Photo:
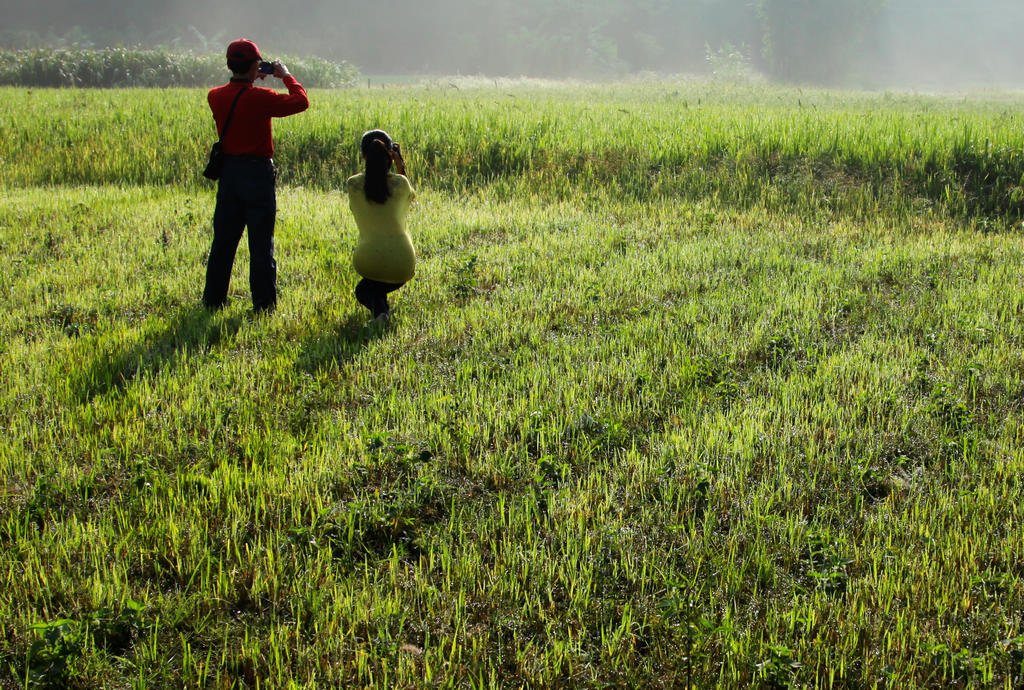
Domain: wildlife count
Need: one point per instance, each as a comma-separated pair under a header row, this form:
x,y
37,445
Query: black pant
x,y
373,295
246,198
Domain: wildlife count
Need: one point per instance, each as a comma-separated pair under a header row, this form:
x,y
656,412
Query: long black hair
x,y
376,146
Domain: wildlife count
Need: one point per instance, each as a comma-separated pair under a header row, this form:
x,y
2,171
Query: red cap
x,y
243,49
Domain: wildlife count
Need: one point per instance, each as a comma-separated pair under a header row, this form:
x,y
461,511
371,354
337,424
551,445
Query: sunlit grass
x,y
609,439
752,146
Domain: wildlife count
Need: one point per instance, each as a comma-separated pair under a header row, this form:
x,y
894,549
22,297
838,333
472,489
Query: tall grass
x,y
612,438
746,146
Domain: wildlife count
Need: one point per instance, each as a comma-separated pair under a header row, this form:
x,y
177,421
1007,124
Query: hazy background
x,y
927,44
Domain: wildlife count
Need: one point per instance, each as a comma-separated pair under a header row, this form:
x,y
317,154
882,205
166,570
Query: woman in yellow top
x,y
380,201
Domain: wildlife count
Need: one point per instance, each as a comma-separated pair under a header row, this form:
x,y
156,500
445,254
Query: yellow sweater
x,y
384,251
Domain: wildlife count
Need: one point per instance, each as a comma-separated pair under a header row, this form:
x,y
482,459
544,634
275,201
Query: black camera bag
x,y
216,163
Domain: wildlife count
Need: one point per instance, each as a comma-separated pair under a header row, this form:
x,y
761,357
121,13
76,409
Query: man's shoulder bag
x,y
216,163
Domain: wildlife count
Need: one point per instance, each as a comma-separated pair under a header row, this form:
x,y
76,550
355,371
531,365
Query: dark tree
x,y
816,41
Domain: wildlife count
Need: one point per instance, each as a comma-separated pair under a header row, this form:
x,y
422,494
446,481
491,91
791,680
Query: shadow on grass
x,y
340,344
193,329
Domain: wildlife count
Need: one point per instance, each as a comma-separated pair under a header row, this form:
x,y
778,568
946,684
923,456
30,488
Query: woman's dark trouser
x,y
246,198
373,294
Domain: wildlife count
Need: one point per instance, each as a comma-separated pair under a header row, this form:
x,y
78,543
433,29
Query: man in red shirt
x,y
246,195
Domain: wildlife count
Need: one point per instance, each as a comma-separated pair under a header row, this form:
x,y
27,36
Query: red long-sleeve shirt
x,y
250,132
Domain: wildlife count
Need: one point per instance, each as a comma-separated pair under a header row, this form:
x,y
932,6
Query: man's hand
x,y
280,71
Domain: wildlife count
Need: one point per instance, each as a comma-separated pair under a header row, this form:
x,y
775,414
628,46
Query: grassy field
x,y
750,147
695,386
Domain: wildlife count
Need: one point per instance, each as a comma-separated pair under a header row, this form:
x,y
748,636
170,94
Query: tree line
x,y
800,41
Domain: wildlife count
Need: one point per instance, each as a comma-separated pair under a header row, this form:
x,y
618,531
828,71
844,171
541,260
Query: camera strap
x,y
227,123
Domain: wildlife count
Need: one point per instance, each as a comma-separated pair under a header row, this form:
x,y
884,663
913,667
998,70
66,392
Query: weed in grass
x,y
826,565
466,279
779,669
51,657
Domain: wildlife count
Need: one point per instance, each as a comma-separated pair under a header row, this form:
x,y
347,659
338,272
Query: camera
x,y
266,67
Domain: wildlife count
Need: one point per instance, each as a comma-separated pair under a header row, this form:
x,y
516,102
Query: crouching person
x,y
380,200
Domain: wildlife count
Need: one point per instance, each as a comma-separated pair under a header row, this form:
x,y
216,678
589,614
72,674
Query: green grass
x,y
742,146
610,439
